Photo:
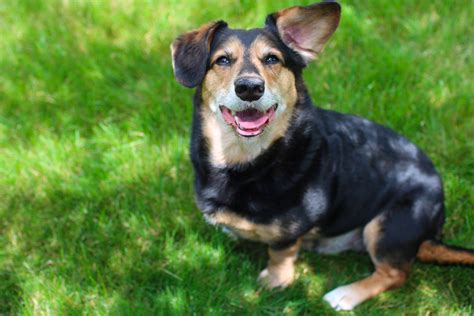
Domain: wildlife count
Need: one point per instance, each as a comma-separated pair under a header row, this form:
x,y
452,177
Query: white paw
x,y
272,280
343,298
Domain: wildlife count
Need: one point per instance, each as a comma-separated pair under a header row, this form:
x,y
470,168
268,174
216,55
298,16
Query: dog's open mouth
x,y
250,122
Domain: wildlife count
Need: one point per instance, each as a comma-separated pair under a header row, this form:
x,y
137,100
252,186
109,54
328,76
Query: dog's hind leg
x,y
384,278
392,240
391,255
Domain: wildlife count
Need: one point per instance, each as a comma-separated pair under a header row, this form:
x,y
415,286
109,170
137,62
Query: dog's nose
x,y
249,88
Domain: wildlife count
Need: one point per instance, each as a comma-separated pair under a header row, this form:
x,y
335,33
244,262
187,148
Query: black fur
x,y
354,163
315,155
191,52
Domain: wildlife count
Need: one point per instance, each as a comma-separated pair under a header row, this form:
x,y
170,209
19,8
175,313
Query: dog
x,y
271,167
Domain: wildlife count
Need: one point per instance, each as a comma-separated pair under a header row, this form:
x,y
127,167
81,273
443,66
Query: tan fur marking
x,y
280,269
432,252
262,47
246,229
372,234
233,48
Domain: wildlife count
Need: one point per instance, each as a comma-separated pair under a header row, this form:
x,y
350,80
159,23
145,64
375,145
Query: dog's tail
x,y
437,252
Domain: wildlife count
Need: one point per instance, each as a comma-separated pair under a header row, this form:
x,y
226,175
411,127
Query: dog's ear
x,y
190,52
306,29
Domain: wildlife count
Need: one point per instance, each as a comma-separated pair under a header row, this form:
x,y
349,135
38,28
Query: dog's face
x,y
250,81
247,77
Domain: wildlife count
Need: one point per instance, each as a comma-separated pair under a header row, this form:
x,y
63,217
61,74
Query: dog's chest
x,y
245,228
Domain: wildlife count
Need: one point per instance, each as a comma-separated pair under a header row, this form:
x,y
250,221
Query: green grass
x,y
96,199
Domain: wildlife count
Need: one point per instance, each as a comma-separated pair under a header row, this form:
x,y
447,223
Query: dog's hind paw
x,y
343,298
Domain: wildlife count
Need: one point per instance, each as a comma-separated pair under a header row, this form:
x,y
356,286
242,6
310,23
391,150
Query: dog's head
x,y
247,77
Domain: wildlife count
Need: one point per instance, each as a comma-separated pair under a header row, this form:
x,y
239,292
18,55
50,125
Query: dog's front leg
x,y
280,270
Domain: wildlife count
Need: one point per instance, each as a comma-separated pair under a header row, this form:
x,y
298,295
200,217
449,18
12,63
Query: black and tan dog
x,y
271,167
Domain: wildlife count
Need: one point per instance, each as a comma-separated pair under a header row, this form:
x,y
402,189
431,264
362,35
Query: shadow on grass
x,y
157,254
10,291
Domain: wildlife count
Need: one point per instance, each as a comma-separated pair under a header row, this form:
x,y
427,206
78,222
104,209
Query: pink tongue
x,y
251,119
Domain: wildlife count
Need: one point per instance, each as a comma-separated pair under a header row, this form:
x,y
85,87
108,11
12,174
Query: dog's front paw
x,y
273,278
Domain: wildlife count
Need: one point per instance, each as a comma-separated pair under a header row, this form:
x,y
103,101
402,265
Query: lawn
x,y
97,213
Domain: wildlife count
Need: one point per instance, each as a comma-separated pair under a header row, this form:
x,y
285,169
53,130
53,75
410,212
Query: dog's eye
x,y
271,60
223,61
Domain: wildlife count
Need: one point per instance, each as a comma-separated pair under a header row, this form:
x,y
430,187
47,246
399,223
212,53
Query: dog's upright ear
x,y
190,52
306,29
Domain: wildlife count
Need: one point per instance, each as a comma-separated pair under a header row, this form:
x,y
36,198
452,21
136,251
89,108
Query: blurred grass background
x,y
96,200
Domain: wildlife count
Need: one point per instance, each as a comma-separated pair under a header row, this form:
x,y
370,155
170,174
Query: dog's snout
x,y
249,88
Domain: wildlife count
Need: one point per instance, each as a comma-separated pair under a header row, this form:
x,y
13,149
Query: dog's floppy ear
x,y
190,52
306,29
